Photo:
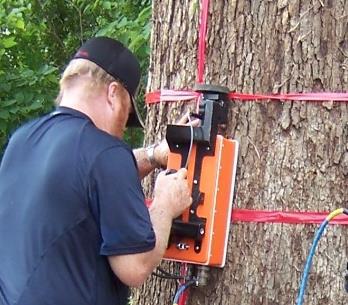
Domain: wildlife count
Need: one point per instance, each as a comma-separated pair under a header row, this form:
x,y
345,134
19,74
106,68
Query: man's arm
x,y
134,269
151,157
172,197
156,156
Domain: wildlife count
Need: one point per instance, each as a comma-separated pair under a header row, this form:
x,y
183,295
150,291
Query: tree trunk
x,y
293,155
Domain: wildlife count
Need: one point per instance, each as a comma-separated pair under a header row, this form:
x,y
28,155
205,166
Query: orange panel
x,y
216,182
224,199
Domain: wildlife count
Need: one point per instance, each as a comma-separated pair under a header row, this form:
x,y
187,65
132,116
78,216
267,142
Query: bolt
x,y
208,148
195,181
192,211
182,246
201,231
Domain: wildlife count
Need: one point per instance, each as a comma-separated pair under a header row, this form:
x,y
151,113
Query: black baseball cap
x,y
114,58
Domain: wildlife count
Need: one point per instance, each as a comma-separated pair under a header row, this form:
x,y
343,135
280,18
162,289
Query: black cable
x,y
346,280
160,269
167,275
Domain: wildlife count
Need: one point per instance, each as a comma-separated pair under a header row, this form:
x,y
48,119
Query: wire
x,y
181,289
160,269
167,275
312,251
191,141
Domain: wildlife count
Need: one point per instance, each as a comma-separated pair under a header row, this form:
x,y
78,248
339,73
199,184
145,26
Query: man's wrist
x,y
150,153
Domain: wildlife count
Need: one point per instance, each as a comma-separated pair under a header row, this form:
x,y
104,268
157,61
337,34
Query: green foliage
x,y
38,37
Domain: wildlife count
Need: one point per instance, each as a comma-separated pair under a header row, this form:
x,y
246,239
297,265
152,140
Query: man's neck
x,y
88,103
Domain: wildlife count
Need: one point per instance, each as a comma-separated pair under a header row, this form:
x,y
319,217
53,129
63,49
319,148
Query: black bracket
x,y
213,110
346,280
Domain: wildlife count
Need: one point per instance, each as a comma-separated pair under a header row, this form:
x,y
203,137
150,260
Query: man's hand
x,y
171,198
162,149
172,193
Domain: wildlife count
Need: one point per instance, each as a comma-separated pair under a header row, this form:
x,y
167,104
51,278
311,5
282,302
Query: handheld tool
x,y
200,234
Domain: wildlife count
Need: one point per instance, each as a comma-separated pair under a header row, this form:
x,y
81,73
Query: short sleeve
x,y
117,202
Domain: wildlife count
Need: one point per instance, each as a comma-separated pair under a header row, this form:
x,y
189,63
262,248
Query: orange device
x,y
200,234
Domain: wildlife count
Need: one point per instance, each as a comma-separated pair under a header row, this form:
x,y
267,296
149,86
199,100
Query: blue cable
x,y
181,289
309,262
308,265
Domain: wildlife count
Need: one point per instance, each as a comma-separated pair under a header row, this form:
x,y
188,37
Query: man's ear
x,y
113,93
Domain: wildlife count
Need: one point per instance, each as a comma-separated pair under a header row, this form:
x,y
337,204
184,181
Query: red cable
x,y
184,296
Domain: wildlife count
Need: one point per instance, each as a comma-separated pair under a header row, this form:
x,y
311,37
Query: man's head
x,y
105,64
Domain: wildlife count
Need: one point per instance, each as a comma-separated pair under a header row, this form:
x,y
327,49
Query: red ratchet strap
x,y
310,96
165,95
263,216
170,96
203,21
244,215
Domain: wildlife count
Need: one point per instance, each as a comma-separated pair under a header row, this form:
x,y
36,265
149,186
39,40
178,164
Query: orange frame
x,y
217,182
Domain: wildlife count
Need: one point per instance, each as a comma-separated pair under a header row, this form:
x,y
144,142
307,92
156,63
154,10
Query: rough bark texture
x,y
293,155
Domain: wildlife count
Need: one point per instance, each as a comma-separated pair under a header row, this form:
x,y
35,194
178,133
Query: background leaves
x,y
37,39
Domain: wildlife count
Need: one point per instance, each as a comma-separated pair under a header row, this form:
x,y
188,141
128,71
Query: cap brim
x,y
134,119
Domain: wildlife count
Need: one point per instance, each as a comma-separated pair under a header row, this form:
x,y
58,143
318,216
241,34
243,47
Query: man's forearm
x,y
151,157
171,198
161,222
133,269
145,166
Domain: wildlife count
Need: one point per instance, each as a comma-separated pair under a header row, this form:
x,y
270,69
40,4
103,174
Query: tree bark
x,y
293,155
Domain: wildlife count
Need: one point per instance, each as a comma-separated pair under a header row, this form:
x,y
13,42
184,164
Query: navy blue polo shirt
x,y
70,196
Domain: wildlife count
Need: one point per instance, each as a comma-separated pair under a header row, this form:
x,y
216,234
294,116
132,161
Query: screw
x,y
192,211
201,231
182,246
195,181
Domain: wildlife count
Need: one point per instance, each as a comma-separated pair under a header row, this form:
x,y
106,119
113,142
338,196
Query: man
x,y
74,229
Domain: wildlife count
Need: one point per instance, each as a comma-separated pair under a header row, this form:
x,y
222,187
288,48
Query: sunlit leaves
x,y
8,42
37,39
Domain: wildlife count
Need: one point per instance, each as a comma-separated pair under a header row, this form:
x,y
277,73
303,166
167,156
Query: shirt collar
x,y
71,111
